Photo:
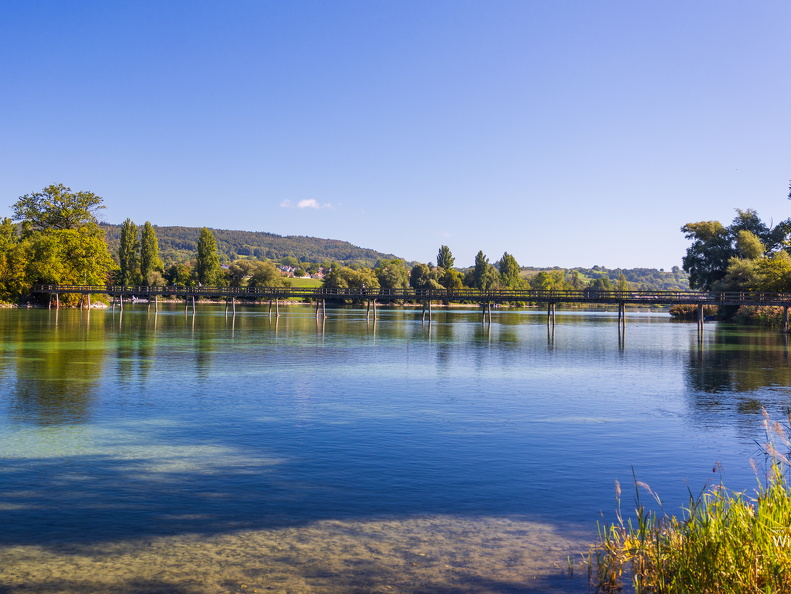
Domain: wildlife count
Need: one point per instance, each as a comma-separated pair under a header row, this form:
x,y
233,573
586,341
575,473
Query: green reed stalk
x,y
725,541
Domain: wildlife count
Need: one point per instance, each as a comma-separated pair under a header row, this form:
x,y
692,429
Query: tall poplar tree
x,y
207,265
129,274
149,252
445,258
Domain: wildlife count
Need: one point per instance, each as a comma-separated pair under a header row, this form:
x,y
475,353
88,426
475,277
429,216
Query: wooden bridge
x,y
427,296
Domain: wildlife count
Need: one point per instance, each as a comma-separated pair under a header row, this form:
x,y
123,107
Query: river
x,y
171,452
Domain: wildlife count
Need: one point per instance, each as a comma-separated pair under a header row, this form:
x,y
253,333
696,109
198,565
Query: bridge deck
x,y
422,295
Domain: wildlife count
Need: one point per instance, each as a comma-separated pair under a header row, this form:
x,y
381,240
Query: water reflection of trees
x,y
740,368
58,365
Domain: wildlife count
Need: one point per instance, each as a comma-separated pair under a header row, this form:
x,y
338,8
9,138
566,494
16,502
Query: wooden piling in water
x,y
785,319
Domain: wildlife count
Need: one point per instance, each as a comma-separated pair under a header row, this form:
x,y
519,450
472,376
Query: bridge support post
x,y
156,303
270,308
193,305
368,311
233,305
701,317
785,319
277,308
551,306
622,314
374,303
88,297
318,304
324,308
423,319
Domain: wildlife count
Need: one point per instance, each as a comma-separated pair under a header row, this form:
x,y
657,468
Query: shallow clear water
x,y
117,428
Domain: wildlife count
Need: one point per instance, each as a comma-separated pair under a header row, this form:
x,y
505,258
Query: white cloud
x,y
306,203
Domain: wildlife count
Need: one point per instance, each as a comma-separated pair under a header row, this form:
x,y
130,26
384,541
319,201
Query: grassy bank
x,y
725,542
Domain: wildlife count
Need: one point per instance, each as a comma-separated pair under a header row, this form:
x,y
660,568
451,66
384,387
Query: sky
x,y
564,132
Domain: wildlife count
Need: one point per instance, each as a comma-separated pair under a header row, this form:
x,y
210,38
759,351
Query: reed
x,y
724,542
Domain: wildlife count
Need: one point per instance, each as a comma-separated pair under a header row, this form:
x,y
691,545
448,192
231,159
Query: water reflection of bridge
x,y
486,299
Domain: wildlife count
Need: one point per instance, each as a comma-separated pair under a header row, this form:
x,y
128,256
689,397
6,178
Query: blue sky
x,y
566,132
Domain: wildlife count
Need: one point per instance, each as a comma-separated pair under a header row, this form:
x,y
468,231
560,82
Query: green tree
x,y
61,242
509,271
423,277
549,280
445,258
13,259
129,264
483,275
207,264
265,274
57,207
707,258
392,274
150,262
748,245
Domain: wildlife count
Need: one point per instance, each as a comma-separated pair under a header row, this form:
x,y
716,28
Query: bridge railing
x,y
456,295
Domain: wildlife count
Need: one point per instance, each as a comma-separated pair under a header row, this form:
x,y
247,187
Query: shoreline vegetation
x,y
725,542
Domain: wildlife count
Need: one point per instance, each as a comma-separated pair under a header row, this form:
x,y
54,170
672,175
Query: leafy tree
x,y
450,278
509,271
749,245
423,277
483,275
179,274
445,258
710,255
392,274
150,261
549,280
600,284
265,274
622,284
13,259
57,207
61,242
129,271
207,264
707,258
344,277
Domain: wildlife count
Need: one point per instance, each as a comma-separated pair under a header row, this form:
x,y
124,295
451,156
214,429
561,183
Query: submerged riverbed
x,y
212,453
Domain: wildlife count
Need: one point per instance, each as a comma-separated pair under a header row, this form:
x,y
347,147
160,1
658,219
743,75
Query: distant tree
x,y
57,207
207,264
483,275
509,271
549,280
129,271
344,277
445,258
392,274
265,274
150,261
423,277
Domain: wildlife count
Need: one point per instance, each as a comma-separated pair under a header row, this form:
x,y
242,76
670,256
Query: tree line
x,y
54,237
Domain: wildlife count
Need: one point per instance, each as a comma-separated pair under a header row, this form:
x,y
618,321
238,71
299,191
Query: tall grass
x,y
725,541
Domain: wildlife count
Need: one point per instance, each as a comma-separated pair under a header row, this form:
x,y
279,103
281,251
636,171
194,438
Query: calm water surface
x,y
120,429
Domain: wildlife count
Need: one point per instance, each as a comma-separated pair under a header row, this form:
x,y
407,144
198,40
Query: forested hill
x,y
178,244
